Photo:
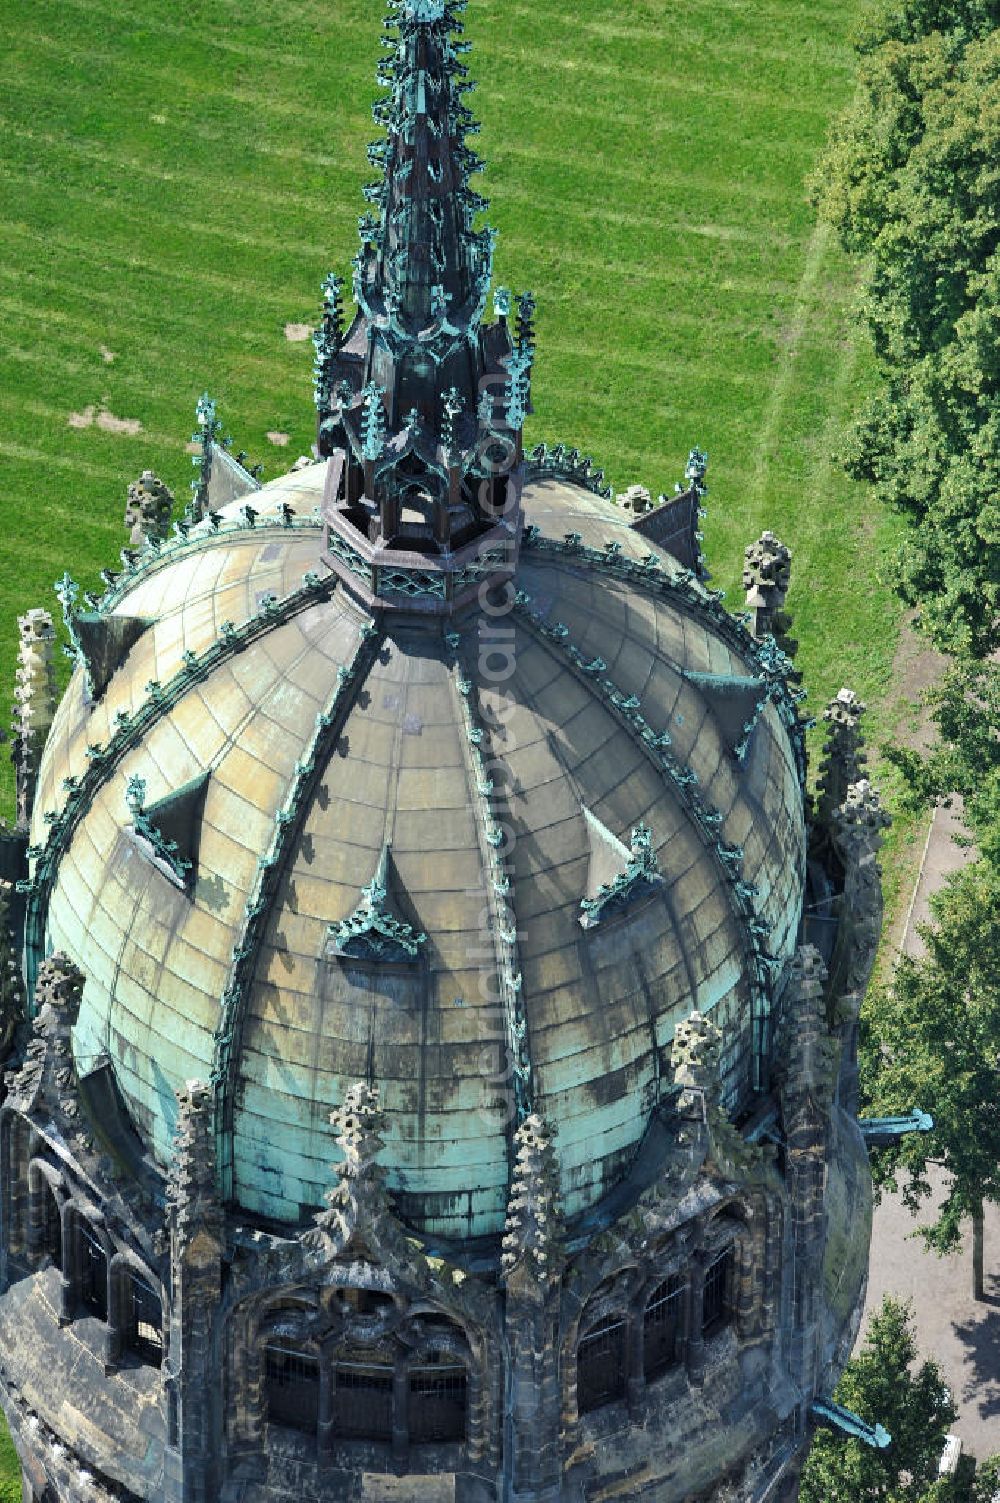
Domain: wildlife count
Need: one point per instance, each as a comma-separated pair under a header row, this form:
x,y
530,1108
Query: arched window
x,y
600,1364
291,1385
437,1384
363,1399
661,1326
92,1287
143,1319
438,1401
718,1299
406,1384
52,1228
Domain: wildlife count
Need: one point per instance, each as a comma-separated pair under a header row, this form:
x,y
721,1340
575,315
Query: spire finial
x,y
427,467
422,260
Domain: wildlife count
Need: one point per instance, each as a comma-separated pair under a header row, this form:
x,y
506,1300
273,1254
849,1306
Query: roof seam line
x,y
499,901
287,825
764,657
156,556
728,859
130,730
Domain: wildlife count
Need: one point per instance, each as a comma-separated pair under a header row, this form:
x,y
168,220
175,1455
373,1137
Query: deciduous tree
x,y
910,183
932,1039
882,1386
965,708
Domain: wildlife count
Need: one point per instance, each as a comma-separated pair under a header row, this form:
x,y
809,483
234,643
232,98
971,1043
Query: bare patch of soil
x,y
279,439
297,333
111,424
105,420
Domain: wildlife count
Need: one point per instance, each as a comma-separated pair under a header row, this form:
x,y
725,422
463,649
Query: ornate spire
x,y
423,271
426,403
844,756
13,1009
34,704
327,341
695,1058
359,1215
48,1072
857,828
704,1127
149,509
767,574
807,1055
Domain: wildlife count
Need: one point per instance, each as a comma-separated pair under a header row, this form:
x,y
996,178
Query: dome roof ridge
x,y
130,728
309,768
656,747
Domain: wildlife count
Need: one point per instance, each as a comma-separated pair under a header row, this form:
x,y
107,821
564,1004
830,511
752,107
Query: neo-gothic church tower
x,y
431,1000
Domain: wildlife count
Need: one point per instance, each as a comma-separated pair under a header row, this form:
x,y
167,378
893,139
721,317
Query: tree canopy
x,y
911,182
882,1385
932,1040
965,708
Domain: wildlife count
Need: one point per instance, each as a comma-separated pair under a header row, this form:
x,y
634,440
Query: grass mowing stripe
x,y
192,181
46,459
662,277
192,228
722,53
105,260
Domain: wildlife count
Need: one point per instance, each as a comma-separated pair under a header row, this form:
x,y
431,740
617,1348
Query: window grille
x,y
662,1327
600,1365
717,1301
93,1273
362,1404
291,1382
53,1228
144,1317
437,1403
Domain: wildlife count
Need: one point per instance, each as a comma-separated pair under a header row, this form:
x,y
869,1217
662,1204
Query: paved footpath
x,y
961,1334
